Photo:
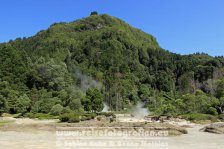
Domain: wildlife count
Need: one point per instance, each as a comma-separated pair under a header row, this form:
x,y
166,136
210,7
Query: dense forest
x,y
78,66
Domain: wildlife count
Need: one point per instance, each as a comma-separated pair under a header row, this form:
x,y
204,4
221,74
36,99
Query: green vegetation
x,y
221,117
94,13
22,104
199,117
93,101
76,117
107,114
56,109
3,104
75,67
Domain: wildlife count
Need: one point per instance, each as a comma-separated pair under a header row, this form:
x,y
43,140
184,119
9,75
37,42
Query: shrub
x,y
3,104
65,117
47,104
56,109
35,107
22,104
84,118
221,117
199,117
90,115
212,111
75,105
66,110
74,119
70,117
107,114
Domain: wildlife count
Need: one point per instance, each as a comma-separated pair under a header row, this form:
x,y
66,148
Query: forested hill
x,y
58,65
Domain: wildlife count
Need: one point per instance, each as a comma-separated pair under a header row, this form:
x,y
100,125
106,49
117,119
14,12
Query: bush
x,y
56,109
65,117
66,110
22,104
70,117
74,119
84,118
44,105
3,104
221,117
87,117
107,114
212,111
199,117
75,105
90,115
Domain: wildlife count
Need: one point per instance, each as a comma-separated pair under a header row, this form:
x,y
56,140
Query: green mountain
x,y
56,67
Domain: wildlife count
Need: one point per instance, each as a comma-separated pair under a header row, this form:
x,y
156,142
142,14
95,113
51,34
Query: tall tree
x,y
93,100
3,104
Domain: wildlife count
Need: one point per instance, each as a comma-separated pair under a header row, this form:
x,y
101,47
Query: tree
x,y
220,105
128,62
56,109
186,83
86,102
22,104
12,99
3,104
144,92
220,88
210,87
163,81
76,105
93,100
46,104
97,102
94,13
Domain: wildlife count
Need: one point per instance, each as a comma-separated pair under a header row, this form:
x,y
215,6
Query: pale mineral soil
x,y
196,139
35,134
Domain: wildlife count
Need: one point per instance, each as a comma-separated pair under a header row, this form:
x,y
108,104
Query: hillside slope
x,y
102,52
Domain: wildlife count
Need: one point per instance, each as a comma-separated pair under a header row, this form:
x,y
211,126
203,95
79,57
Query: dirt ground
x,y
196,139
35,134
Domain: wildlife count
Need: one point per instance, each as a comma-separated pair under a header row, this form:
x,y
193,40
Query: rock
x,y
217,128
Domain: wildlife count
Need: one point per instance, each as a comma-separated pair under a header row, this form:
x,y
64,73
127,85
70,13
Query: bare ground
x,y
36,134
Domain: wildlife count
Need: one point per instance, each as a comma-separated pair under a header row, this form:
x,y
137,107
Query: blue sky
x,y
180,26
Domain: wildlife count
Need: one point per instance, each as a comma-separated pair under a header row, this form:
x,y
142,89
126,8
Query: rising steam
x,y
105,108
140,111
85,82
